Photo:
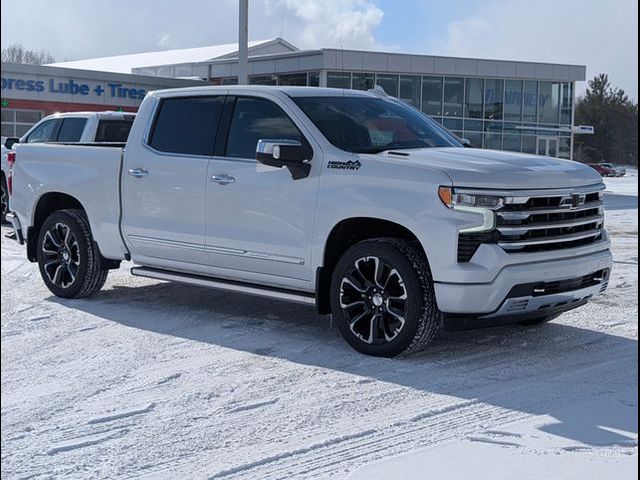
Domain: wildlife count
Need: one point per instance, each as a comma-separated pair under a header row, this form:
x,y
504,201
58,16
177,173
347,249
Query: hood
x,y
471,167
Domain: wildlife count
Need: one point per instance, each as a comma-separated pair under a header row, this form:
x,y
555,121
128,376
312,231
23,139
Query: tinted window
x,y
113,130
371,125
187,125
46,132
71,129
254,119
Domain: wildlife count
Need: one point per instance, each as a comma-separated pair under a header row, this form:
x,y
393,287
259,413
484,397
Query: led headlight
x,y
473,203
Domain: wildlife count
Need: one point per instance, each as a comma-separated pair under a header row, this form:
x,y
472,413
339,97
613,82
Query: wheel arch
x,y
344,235
47,204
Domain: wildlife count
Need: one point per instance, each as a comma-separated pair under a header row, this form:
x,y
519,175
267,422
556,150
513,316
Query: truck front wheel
x,y
69,260
382,298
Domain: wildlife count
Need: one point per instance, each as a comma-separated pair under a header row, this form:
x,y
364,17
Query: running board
x,y
227,285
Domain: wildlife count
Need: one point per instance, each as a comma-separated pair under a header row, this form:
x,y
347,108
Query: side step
x,y
228,285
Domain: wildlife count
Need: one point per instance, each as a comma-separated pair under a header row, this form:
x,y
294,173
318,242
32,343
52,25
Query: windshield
x,y
372,125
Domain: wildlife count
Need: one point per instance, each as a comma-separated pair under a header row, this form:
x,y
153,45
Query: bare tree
x,y
16,53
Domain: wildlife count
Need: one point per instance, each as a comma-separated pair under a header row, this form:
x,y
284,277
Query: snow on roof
x,y
124,63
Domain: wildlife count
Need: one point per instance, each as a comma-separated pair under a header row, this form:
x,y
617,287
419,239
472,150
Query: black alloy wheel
x,y
382,298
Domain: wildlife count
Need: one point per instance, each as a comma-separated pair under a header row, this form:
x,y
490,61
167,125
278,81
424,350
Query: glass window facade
x,y
410,89
339,79
432,95
493,98
363,81
548,102
389,83
530,101
473,95
513,100
453,96
16,123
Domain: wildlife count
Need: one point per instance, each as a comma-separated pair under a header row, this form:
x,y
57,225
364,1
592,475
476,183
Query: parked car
x,y
68,127
618,171
350,201
603,170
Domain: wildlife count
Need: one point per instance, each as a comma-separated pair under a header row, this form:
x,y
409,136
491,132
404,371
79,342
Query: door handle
x,y
222,179
138,172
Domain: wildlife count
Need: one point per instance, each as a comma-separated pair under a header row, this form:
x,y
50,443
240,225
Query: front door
x,y
259,220
547,146
164,184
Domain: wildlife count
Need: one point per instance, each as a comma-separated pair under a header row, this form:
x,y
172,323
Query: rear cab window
x,y
112,130
71,129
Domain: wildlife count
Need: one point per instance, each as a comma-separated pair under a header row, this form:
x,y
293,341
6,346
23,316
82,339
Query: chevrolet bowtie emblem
x,y
577,199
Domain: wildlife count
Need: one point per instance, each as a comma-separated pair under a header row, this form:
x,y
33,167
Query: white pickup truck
x,y
350,201
78,127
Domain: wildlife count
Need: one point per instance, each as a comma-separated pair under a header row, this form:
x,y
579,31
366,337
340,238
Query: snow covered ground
x,y
168,381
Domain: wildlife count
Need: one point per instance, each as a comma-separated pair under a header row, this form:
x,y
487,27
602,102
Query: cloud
x,y
328,23
602,36
165,41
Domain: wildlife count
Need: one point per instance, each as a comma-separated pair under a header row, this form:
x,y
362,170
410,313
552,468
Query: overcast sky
x,y
601,34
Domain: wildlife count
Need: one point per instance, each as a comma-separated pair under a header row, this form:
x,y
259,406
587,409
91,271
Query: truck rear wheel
x,y
69,260
382,298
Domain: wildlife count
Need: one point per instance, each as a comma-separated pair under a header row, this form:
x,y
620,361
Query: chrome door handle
x,y
222,179
138,172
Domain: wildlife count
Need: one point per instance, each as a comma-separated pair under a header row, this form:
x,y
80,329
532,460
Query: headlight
x,y
452,199
473,203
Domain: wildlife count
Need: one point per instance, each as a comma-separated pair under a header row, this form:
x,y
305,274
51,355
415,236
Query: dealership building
x,y
505,105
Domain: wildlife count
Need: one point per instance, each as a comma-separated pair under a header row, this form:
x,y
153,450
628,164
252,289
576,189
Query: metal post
x,y
243,40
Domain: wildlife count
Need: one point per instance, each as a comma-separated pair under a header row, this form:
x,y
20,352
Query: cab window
x,y
254,119
46,132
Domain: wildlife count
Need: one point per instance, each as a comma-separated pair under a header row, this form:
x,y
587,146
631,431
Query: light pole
x,y
243,40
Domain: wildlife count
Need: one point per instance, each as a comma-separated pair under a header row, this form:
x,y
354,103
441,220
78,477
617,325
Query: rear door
x,y
164,184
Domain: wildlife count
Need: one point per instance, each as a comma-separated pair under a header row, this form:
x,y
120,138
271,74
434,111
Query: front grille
x,y
550,221
537,222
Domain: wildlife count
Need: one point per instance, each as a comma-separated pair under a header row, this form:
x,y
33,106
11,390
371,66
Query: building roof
x,y
124,63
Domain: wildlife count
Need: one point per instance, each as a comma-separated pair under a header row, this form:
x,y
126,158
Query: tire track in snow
x,y
431,427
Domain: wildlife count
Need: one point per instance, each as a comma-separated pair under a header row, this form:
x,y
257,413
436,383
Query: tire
x,y
69,260
538,321
392,312
5,199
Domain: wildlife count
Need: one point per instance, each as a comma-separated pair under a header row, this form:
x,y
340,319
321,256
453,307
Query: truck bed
x,y
89,173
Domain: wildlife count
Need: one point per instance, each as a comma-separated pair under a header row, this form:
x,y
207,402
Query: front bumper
x,y
17,228
484,301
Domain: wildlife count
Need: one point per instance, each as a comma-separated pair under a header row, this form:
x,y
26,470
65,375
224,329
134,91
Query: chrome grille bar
x,y
518,244
524,214
522,229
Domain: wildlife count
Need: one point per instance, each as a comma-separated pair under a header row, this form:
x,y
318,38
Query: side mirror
x,y
283,153
466,143
10,142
